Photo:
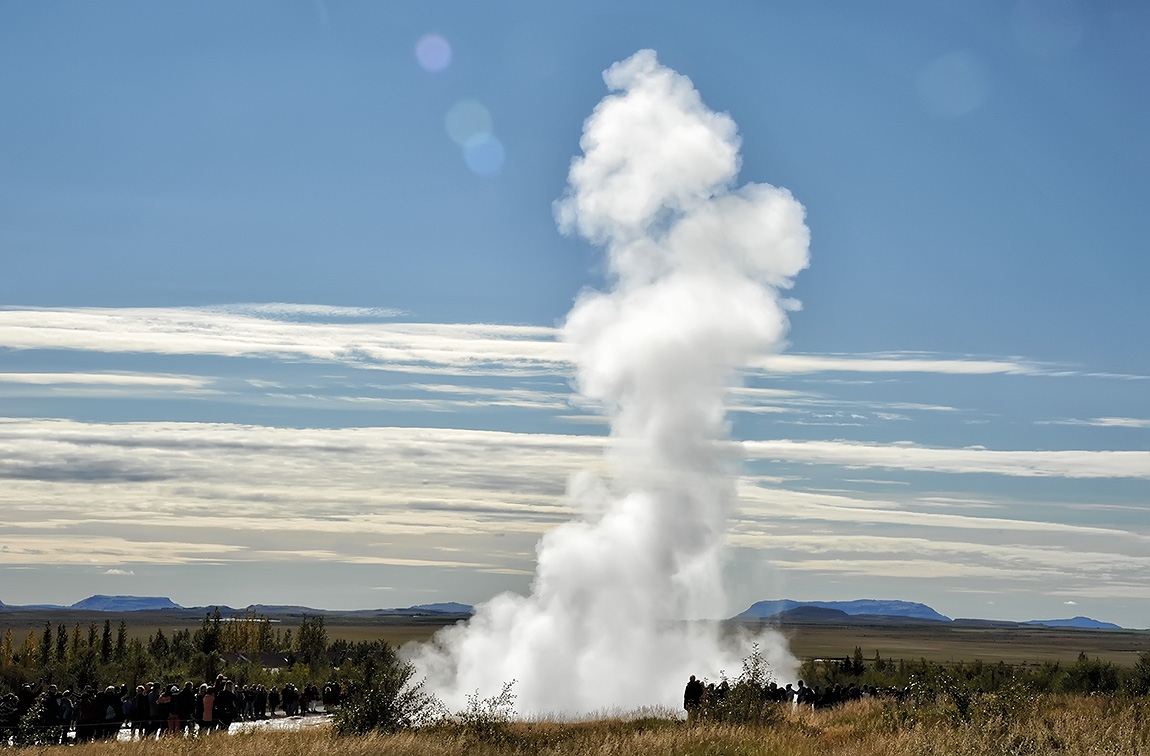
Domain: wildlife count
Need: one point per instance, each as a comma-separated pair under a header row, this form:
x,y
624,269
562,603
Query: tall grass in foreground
x,y
1046,725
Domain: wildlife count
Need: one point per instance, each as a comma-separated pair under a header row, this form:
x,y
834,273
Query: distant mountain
x,y
810,614
124,604
448,607
874,607
275,609
867,611
1082,622
444,608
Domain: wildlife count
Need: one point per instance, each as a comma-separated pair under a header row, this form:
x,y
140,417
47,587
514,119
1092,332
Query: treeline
x,y
1086,675
237,647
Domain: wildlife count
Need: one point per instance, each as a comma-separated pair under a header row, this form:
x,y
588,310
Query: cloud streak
x,y
262,331
122,495
1062,464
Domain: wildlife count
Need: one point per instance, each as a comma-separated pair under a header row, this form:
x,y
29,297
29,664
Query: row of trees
x,y
1085,675
77,656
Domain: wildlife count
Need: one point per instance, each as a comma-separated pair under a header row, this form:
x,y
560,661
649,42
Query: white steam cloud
x,y
696,265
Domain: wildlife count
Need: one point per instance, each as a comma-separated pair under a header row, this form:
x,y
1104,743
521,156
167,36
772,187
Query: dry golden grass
x,y
1053,725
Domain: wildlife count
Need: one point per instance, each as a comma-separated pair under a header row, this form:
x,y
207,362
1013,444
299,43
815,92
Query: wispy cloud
x,y
1121,422
426,347
65,479
896,363
301,332
115,496
1064,464
287,311
107,379
1103,422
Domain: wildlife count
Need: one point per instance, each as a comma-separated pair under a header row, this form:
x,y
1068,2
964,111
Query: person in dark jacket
x,y
138,712
693,699
153,709
224,710
186,707
273,700
86,719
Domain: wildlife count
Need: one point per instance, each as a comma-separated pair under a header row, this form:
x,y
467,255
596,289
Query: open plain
x,y
933,641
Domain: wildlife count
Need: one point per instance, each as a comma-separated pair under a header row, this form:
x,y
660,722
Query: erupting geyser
x,y
696,266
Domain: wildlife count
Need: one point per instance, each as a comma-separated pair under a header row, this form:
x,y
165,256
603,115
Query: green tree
x,y
46,646
159,647
137,665
28,651
7,652
106,643
121,642
182,646
82,667
858,664
208,639
61,643
74,649
311,641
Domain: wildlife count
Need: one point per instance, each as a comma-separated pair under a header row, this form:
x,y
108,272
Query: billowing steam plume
x,y
696,265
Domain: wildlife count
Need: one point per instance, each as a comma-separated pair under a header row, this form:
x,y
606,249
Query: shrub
x,y
39,726
488,719
748,699
1137,682
387,701
1091,676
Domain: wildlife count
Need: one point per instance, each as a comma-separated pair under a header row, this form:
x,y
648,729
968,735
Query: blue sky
x,y
960,417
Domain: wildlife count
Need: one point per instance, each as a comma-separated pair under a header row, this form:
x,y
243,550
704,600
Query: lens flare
x,y
484,155
954,84
467,120
433,53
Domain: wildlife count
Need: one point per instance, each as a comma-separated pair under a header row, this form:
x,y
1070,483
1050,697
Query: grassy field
x,y
950,643
934,642
1046,725
394,630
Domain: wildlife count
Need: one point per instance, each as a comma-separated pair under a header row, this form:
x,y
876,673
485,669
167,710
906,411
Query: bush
x,y
387,701
39,726
1137,681
748,699
1091,676
488,719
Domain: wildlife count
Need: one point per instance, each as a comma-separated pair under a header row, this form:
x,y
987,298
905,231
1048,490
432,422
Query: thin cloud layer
x,y
267,331
1059,464
128,495
220,332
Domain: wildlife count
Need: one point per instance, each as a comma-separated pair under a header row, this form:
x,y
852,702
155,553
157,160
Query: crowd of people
x,y
155,709
697,696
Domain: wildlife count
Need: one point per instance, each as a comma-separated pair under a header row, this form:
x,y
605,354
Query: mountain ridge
x,y
103,603
776,610
1086,623
872,607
